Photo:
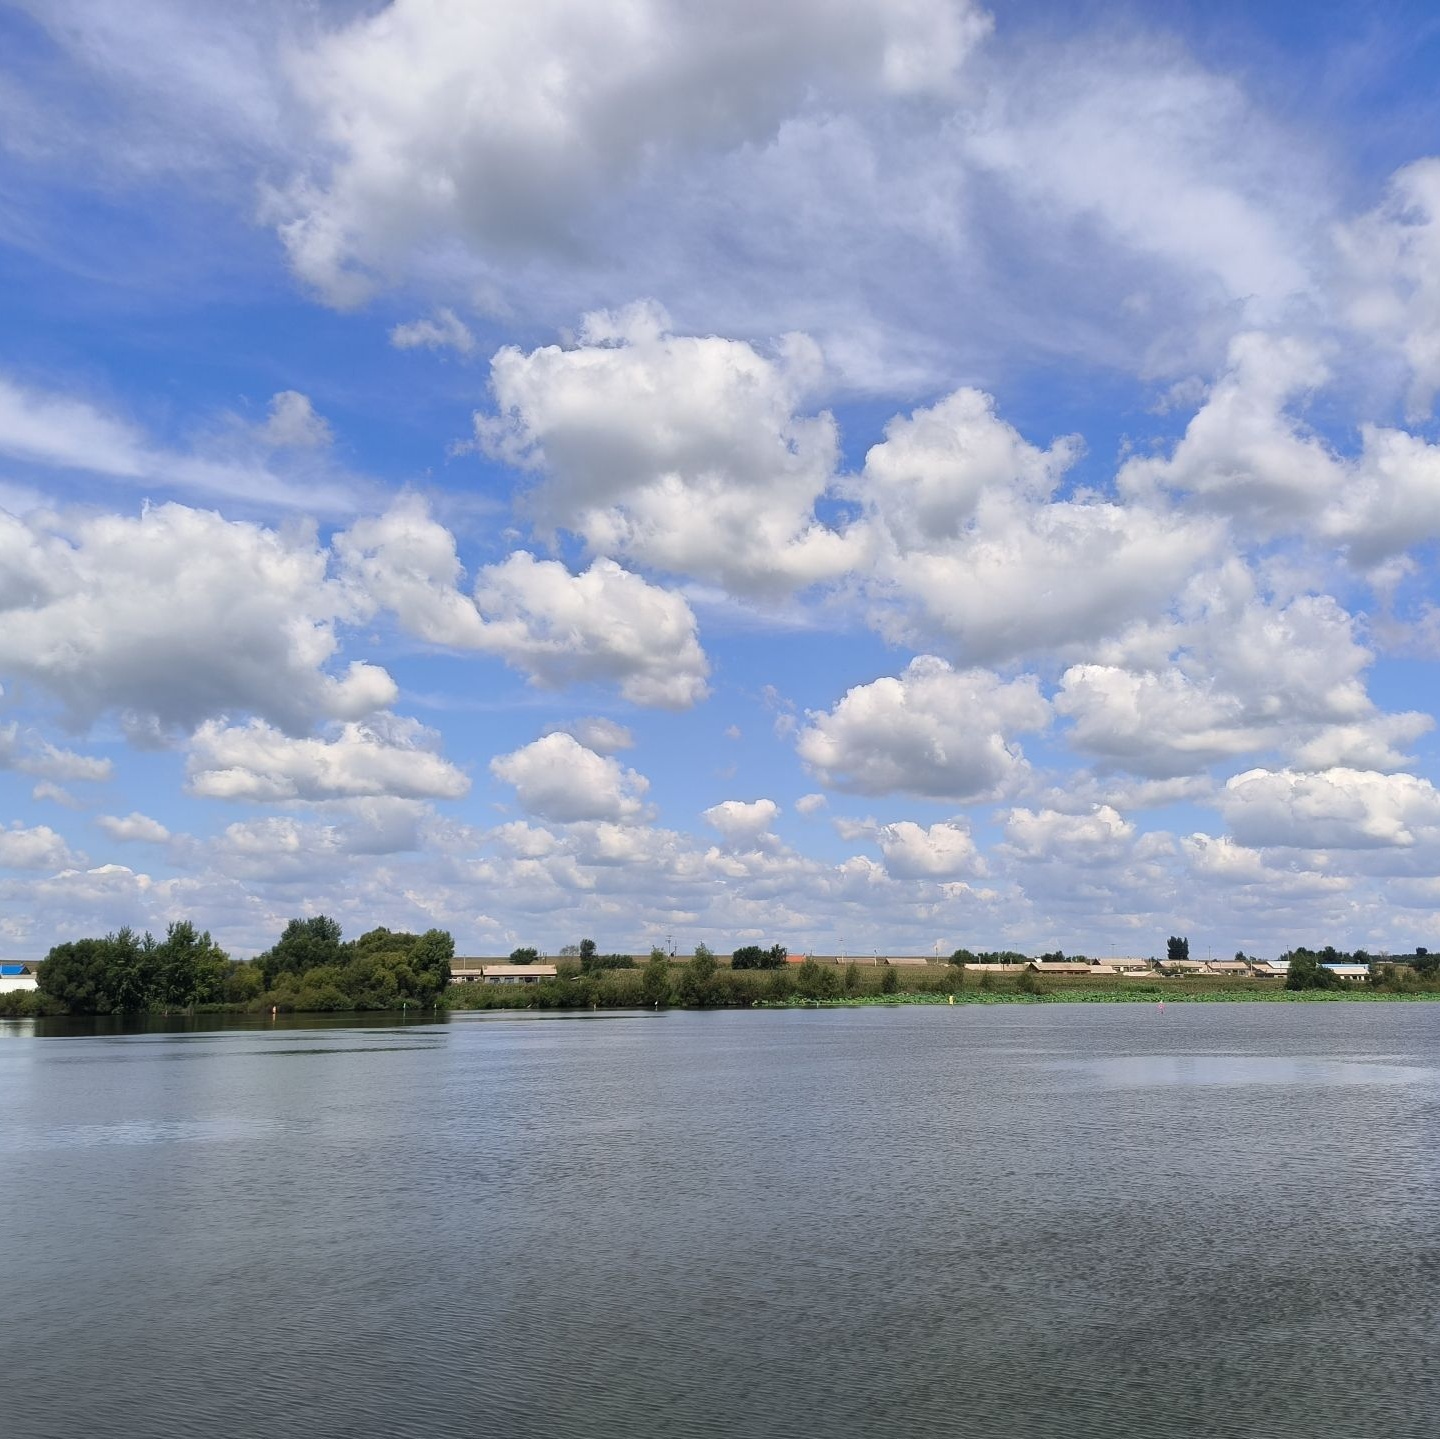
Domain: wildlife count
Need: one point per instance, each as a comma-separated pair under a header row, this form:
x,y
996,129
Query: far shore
x,y
724,988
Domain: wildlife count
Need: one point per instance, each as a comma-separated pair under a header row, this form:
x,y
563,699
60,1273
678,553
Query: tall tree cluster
x,y
309,967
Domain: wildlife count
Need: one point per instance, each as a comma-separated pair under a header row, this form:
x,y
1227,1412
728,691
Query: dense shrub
x,y
1307,972
751,956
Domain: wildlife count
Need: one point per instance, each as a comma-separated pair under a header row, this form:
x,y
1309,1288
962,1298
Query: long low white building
x,y
472,972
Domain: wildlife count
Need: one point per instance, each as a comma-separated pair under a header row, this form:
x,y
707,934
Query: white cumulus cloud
x,y
932,731
385,755
558,628
175,616
1332,809
937,851
557,778
37,847
689,454
741,821
134,826
437,121
1098,838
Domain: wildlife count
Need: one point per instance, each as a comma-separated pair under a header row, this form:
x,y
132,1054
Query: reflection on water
x,y
1300,1071
1053,1221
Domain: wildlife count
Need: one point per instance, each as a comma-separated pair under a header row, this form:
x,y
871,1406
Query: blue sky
x,y
872,475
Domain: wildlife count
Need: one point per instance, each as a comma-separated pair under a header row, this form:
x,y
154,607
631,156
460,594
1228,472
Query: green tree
x,y
74,974
697,984
525,955
592,961
1177,949
305,944
430,960
780,985
655,979
114,975
243,984
1027,982
1307,972
752,956
852,978
187,968
816,981
890,982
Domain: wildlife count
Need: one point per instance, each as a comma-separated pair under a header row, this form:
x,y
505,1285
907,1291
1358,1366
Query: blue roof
x,y
12,969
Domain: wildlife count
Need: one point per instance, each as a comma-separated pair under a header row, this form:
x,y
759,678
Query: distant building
x,y
17,977
903,959
1358,972
518,973
1056,966
473,971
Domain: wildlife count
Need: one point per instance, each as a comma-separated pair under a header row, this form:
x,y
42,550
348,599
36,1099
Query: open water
x,y
1062,1221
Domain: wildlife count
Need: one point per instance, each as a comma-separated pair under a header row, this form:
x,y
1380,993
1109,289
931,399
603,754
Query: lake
x,y
1054,1220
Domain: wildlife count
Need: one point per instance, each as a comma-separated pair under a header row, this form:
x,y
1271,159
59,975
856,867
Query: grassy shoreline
x,y
1095,996
938,985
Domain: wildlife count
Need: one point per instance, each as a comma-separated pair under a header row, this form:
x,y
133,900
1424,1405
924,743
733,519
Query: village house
x,y
1357,973
479,971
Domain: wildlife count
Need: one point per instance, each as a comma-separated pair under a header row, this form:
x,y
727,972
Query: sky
x,y
880,476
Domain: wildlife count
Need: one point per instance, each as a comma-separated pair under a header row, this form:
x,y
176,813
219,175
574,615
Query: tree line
x,y
310,967
748,956
700,983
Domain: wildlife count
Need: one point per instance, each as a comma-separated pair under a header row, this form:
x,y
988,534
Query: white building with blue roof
x,y
17,976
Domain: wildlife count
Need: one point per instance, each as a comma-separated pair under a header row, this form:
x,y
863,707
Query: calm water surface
x,y
1063,1221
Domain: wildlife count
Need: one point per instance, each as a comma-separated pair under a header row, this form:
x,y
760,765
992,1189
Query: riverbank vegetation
x,y
311,968
706,984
